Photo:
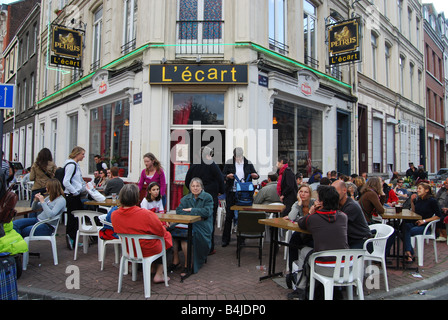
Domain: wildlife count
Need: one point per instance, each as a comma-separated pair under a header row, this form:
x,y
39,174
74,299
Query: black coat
x,y
210,175
229,167
288,189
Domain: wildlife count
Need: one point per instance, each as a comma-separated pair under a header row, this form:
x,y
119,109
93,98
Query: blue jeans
x,y
24,226
411,230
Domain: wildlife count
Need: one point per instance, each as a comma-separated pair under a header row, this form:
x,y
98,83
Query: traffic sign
x,y
7,96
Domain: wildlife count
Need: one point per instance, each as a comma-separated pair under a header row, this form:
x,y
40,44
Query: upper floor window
x,y
374,42
277,26
97,31
130,23
200,23
309,26
387,66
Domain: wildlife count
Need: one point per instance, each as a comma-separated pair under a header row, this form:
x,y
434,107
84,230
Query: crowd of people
x,y
349,204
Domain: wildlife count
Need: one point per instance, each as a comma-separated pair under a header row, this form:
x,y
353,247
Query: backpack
x,y
60,174
8,203
244,194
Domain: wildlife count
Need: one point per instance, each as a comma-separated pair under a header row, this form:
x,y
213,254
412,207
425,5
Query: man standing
x,y
100,165
241,167
208,171
358,230
286,185
412,171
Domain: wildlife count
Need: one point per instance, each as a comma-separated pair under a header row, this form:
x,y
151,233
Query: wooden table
x,y
260,208
106,203
398,226
275,224
23,211
185,219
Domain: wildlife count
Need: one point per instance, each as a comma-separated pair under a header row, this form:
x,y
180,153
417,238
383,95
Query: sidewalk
x,y
219,279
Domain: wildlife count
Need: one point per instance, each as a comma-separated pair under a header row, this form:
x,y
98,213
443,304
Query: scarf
x,y
279,180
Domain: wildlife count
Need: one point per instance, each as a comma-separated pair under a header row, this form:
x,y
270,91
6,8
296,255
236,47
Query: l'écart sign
x,y
344,41
198,74
67,47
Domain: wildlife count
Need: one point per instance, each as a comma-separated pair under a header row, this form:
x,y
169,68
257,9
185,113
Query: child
x,y
153,199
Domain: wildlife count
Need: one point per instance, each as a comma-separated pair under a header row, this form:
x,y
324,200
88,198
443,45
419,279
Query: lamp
x,y
126,123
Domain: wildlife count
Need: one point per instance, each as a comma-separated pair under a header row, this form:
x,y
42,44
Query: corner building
x,y
168,77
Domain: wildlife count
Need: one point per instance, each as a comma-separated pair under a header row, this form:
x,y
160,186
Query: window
x,y
299,135
97,30
410,24
402,66
109,135
417,34
400,15
387,66
411,79
25,95
420,75
130,23
390,141
32,90
207,108
42,136
309,26
73,131
377,143
374,42
200,22
35,38
277,26
54,138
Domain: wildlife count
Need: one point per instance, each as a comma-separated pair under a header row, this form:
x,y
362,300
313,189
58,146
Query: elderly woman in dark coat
x,y
197,203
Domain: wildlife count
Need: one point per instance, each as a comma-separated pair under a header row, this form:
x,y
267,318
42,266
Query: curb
x,y
406,290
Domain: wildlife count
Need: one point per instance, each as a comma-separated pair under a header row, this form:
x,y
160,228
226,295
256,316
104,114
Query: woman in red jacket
x,y
131,219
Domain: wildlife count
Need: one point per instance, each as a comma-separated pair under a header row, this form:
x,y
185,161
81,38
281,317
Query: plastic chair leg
x,y
55,252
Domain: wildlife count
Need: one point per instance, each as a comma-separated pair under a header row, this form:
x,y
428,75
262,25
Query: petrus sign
x,y
7,92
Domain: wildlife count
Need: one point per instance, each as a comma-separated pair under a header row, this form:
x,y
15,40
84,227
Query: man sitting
x,y
115,184
268,194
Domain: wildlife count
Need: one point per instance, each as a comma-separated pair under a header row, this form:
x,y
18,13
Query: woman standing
x,y
41,172
74,185
196,203
152,173
372,200
424,204
49,208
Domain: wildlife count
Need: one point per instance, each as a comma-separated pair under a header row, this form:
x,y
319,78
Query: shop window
x,y
299,136
109,136
206,108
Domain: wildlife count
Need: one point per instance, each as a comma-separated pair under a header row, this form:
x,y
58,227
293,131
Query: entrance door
x,y
186,146
344,151
363,139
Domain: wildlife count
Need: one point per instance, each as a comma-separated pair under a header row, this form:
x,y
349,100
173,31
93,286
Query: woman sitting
x,y
298,240
196,203
101,185
50,207
424,204
372,200
131,219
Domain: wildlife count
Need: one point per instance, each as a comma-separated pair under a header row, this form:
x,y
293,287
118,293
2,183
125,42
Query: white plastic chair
x,y
220,213
132,251
431,226
383,232
103,243
52,238
87,228
347,272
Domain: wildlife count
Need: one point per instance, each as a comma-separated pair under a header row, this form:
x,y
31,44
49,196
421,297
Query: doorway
x,y
343,143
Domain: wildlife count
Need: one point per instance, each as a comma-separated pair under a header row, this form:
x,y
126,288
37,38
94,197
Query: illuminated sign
x,y
198,74
344,41
67,46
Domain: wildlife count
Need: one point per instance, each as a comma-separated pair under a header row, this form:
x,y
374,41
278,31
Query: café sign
x,y
198,74
67,47
344,41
